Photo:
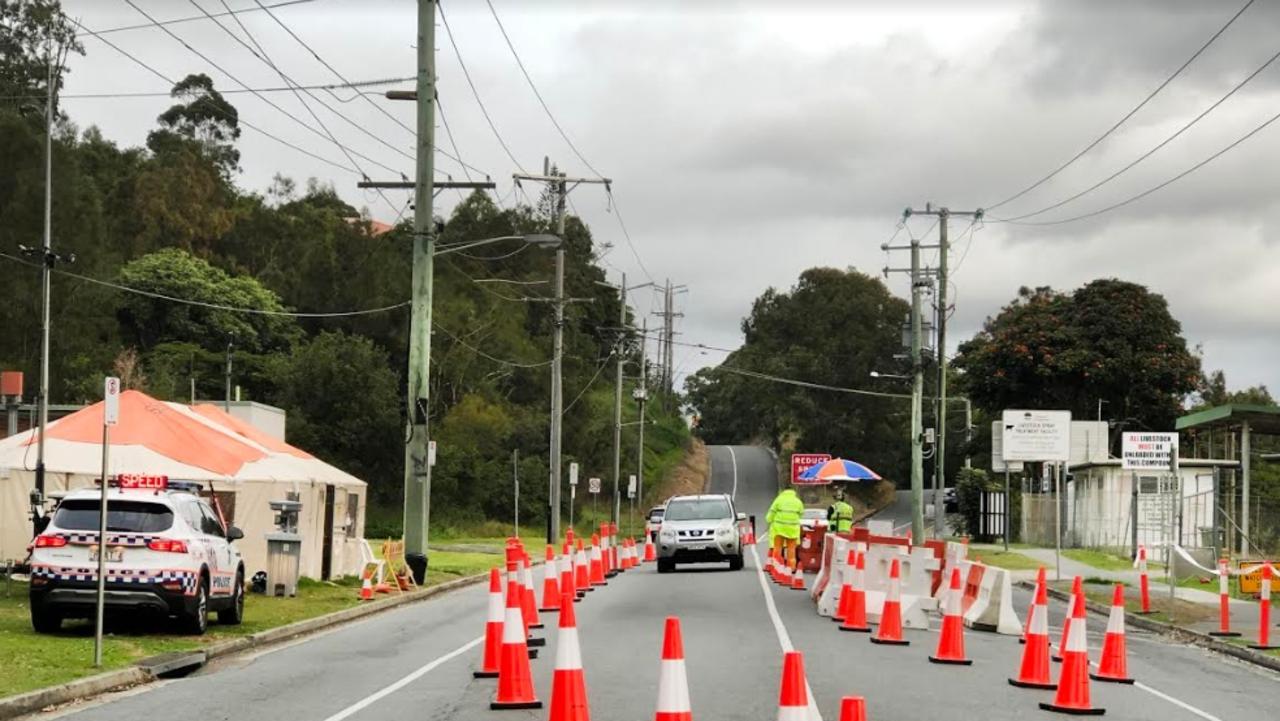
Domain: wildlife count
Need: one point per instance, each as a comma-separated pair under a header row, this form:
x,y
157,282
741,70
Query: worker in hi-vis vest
x,y
784,525
840,514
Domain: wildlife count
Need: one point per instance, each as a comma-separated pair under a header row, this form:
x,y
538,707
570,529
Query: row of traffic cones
x,y
783,574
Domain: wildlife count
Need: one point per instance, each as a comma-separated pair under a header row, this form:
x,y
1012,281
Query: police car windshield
x,y
81,514
698,510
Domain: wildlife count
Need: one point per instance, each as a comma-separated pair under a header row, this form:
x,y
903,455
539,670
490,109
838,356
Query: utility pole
x,y
917,391
561,185
617,401
226,402
47,260
943,310
641,394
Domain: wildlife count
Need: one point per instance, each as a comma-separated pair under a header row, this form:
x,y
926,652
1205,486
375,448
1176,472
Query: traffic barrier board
x,y
1251,582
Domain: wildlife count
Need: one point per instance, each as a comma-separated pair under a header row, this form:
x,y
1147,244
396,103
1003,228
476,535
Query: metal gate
x,y
992,514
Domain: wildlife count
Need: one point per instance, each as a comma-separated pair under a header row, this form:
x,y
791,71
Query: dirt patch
x,y
690,476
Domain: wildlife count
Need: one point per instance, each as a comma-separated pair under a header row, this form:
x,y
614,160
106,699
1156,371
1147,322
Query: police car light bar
x,y
142,481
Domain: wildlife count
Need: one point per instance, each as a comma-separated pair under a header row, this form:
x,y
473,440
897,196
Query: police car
x,y
167,550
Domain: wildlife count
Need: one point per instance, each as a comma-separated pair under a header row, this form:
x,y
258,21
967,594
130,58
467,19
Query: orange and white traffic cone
x,y
1034,671
1040,582
492,629
569,682
673,683
1073,686
1144,582
515,678
853,708
951,640
856,616
366,589
1113,665
1224,602
1077,591
793,696
846,588
581,571
797,579
890,629
650,553
597,563
566,569
631,561
530,599
1264,611
550,584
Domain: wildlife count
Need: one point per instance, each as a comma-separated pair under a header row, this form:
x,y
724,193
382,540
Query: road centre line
x,y
414,676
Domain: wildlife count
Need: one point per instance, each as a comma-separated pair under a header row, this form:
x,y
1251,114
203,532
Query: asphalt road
x,y
416,662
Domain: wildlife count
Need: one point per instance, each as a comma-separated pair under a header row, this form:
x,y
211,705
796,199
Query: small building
x,y
244,467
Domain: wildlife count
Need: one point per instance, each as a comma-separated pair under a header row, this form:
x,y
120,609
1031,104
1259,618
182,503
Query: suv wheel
x,y
43,620
197,620
666,565
735,562
234,614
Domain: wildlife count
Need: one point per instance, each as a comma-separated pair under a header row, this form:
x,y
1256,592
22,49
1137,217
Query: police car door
x,y
221,572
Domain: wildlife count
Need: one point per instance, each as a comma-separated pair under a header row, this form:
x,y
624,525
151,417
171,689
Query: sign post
x,y
1032,436
998,464
110,417
573,489
593,487
631,496
1158,452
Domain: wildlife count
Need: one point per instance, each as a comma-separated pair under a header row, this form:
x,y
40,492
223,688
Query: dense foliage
x,y
169,221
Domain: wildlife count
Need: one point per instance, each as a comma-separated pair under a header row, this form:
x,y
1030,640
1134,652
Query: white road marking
x,y
384,692
1181,704
784,638
733,462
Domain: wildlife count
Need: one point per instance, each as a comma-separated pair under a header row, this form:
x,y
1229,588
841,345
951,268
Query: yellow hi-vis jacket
x,y
841,516
784,515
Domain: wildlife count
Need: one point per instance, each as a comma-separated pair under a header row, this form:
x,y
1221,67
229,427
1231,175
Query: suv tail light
x,y
168,545
50,541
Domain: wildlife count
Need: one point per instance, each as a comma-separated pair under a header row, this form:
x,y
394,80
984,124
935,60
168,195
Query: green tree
x,y
1109,340
205,120
1212,391
32,33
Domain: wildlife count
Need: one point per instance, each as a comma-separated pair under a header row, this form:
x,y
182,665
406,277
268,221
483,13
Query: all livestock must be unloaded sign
x,y
1148,451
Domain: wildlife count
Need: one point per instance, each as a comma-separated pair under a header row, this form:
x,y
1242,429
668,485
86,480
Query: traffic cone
x,y
890,629
630,561
581,572
846,590
1034,672
550,585
793,697
951,640
569,683
597,563
673,684
650,553
856,617
566,569
610,551
366,589
1073,685
797,579
515,678
1040,581
853,708
1077,591
529,599
1113,666
1144,582
1224,603
492,628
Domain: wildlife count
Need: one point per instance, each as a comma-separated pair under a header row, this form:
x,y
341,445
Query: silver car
x,y
699,529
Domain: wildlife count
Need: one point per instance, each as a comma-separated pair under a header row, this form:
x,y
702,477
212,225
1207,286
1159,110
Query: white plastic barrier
x,y
831,578
988,600
954,555
878,527
916,573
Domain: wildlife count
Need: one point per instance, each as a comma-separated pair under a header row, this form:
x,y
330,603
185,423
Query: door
x,y
326,554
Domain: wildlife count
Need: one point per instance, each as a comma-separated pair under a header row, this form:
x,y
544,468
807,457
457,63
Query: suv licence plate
x,y
115,554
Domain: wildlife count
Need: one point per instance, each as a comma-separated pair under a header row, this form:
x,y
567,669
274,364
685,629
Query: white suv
x,y
167,553
700,529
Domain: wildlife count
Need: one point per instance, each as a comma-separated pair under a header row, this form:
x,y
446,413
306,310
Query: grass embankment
x,y
30,661
1008,560
1105,561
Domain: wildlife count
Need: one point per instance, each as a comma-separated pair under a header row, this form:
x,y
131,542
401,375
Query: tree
x,y
1109,340
1212,391
29,31
344,407
206,120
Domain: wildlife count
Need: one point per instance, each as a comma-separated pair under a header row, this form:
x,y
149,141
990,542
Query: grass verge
x,y
1009,560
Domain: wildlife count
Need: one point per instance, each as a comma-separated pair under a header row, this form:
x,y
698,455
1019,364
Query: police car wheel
x,y
234,614
197,621
43,620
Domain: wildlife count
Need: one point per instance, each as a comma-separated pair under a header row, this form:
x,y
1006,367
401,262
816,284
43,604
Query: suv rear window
x,y
698,510
82,514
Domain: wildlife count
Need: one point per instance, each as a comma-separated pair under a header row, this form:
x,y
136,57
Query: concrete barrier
x,y
954,555
987,601
826,588
916,566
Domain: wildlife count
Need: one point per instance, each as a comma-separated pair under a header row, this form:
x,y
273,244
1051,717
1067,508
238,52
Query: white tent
x,y
246,467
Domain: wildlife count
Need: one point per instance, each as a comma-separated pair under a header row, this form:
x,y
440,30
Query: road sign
x,y
631,487
1036,435
801,462
431,453
593,485
111,394
1251,582
998,463
573,474
1148,451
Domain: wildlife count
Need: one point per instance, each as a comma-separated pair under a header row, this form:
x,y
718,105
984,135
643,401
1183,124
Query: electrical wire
x,y
626,235
228,91
974,227
590,383
1128,115
807,384
482,354
1152,151
142,26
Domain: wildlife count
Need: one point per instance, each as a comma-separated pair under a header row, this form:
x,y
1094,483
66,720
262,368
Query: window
x,y
209,521
122,516
353,515
703,509
190,512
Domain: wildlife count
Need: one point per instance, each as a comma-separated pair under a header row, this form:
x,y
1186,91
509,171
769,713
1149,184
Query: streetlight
x,y
878,374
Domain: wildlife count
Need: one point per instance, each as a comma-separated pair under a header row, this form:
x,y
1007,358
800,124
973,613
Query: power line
x,y
1152,151
590,383
626,235
476,93
215,108
229,91
806,384
482,354
1128,115
142,26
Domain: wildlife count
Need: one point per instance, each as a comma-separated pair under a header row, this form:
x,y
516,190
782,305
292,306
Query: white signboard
x,y
111,395
573,474
1148,451
431,453
593,485
1036,436
998,463
631,487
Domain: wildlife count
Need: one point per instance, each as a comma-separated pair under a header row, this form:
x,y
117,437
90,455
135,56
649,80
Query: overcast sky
x,y
749,141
